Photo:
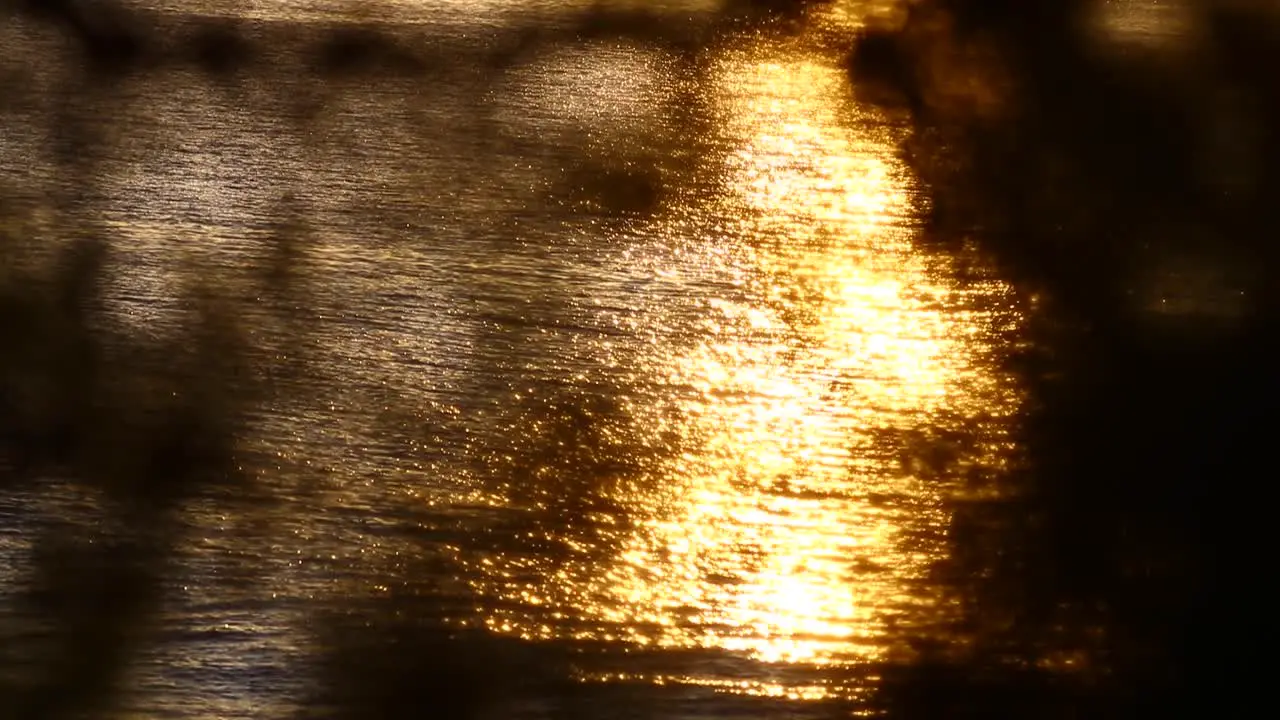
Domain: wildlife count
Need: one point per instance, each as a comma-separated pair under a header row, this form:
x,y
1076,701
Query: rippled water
x,y
623,345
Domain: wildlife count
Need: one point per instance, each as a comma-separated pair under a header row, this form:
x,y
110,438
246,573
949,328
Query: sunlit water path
x,y
617,348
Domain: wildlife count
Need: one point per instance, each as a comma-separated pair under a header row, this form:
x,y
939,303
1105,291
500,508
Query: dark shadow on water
x,y
1121,570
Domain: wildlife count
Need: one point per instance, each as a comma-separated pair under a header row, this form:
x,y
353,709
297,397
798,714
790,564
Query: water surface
x,y
623,349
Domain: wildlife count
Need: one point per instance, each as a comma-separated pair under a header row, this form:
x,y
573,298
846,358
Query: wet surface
x,y
617,349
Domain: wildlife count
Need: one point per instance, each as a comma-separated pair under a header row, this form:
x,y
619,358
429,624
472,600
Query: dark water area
x,y
476,359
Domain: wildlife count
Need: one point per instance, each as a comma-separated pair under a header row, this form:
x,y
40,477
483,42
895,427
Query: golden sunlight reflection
x,y
786,529
838,336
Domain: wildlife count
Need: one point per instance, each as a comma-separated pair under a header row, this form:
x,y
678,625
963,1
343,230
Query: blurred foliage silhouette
x,y
1128,195
1118,576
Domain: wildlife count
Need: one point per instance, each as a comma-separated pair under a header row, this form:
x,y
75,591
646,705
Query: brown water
x,y
684,416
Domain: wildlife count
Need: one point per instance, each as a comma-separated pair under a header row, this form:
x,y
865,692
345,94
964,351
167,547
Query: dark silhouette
x,y
220,48
363,50
1112,578
106,32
